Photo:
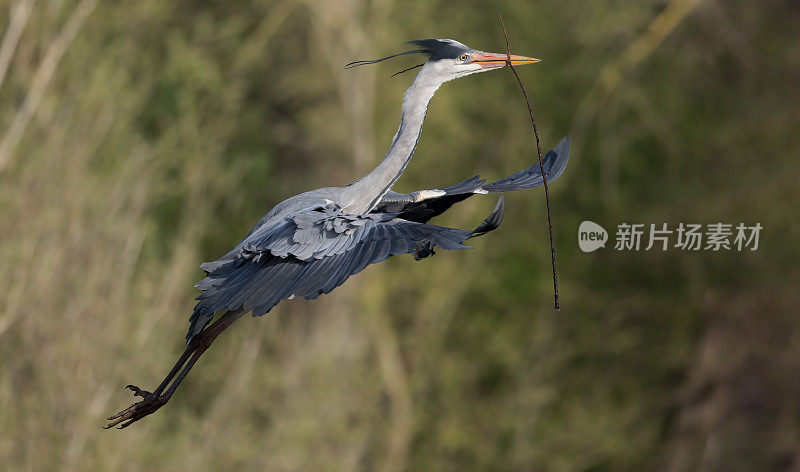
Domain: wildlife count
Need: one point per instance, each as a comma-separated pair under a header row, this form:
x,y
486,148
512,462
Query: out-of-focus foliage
x,y
138,139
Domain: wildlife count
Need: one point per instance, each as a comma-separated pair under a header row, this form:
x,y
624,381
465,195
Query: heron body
x,y
309,244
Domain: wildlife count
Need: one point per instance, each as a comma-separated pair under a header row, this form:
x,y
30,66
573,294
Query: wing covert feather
x,y
256,278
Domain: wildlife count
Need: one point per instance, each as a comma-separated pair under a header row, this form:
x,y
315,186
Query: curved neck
x,y
367,191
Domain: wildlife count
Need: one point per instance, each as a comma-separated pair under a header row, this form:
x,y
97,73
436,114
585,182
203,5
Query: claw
x,y
125,425
148,405
137,392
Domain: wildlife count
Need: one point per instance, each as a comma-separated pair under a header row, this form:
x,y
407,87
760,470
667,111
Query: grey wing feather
x,y
258,279
554,164
467,186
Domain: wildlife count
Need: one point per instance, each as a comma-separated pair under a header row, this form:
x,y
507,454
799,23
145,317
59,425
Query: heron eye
x,y
463,58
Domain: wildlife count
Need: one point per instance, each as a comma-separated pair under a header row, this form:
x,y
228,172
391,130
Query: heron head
x,y
448,59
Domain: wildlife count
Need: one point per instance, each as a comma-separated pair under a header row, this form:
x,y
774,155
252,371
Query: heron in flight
x,y
311,243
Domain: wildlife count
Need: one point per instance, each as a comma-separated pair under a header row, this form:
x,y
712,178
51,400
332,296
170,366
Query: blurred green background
x,y
139,139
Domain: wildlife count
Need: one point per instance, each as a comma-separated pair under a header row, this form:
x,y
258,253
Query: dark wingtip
x,y
492,222
562,158
554,163
563,146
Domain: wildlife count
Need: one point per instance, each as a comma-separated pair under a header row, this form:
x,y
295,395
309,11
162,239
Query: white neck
x,y
361,196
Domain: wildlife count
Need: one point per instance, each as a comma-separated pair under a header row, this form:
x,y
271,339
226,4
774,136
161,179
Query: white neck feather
x,y
362,195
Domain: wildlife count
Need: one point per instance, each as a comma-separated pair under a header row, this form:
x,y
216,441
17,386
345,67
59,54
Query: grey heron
x,y
309,244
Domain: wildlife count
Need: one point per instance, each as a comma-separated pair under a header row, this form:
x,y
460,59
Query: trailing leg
x,y
152,401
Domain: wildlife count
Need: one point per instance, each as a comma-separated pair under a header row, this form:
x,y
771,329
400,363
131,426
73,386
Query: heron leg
x,y
139,392
152,401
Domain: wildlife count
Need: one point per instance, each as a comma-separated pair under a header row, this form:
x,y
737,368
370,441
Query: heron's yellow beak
x,y
491,60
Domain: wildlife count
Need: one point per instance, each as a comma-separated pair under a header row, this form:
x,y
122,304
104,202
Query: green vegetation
x,y
139,139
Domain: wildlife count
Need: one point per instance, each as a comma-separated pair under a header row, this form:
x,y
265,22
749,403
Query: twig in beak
x,y
541,167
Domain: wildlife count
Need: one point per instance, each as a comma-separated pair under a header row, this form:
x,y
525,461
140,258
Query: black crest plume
x,y
440,48
350,65
435,48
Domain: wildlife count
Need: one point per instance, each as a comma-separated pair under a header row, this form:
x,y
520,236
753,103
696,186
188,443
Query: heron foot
x,y
149,404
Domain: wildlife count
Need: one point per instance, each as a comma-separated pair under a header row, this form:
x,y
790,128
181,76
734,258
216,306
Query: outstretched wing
x,y
554,163
312,252
423,210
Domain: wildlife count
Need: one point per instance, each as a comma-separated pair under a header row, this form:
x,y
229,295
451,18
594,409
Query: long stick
x,y
541,168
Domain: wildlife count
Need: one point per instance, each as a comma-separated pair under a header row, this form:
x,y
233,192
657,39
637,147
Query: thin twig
x,y
541,167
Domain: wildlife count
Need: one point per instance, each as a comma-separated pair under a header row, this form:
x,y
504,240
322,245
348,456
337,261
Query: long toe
x,y
148,405
135,412
126,410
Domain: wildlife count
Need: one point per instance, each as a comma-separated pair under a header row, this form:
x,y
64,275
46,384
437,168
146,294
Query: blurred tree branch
x,y
19,18
42,77
612,75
